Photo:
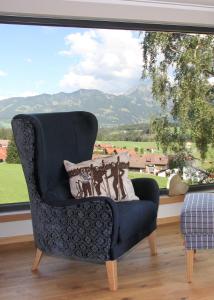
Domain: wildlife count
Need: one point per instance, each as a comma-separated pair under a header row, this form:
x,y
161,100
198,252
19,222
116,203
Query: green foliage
x,y
131,132
180,66
210,170
12,153
179,160
170,136
5,133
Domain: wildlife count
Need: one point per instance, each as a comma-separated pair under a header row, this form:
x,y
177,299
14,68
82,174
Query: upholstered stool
x,y
197,225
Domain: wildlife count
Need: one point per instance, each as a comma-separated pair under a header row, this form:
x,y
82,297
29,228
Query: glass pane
x,y
49,69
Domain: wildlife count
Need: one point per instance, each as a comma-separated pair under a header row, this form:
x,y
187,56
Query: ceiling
x,y
178,2
174,12
192,2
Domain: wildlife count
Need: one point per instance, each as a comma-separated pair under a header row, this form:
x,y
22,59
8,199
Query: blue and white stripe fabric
x,y
197,220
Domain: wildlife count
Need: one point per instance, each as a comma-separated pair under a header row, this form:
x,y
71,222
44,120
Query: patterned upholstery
x,y
91,228
197,220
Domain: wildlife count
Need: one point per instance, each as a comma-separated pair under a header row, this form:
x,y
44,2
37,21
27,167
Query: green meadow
x,y
13,187
129,144
162,181
12,184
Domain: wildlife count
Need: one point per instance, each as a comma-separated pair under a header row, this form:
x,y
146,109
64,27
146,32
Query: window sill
x,y
15,216
21,211
14,207
26,215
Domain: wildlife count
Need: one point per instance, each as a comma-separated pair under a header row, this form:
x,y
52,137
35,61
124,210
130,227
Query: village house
x,y
112,150
3,149
108,149
150,163
4,143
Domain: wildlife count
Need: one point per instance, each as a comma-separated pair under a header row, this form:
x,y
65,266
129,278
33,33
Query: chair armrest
x,y
87,228
146,189
107,206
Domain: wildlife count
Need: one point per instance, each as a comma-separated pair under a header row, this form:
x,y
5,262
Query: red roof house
x,y
157,161
3,153
4,143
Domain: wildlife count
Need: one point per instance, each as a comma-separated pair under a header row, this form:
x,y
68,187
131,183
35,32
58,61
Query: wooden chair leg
x,y
194,254
152,243
37,259
111,268
190,259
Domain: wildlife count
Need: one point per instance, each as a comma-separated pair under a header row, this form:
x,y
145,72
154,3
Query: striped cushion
x,y
197,216
199,241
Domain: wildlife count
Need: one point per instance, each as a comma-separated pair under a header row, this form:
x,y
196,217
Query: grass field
x,y
12,184
129,144
13,188
162,182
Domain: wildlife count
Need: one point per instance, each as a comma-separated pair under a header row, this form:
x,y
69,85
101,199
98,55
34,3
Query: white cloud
x,y
2,73
108,60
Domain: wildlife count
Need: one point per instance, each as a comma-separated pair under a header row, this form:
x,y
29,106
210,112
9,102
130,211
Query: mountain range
x,y
136,106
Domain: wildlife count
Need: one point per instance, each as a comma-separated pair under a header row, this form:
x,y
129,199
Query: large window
x,y
48,69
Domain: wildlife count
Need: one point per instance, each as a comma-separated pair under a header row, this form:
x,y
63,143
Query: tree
x,y
12,153
181,66
5,133
136,149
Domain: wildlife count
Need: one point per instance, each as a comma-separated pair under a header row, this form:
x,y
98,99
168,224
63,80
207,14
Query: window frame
x,y
64,22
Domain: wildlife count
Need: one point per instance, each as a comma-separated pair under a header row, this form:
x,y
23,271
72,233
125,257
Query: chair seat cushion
x,y
135,217
197,214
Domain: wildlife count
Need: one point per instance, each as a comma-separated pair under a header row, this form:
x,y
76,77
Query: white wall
x,y
181,12
169,210
16,228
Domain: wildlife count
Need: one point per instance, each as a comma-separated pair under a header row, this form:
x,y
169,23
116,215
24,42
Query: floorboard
x,y
140,275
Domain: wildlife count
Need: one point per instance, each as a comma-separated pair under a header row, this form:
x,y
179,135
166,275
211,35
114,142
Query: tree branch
x,y
209,72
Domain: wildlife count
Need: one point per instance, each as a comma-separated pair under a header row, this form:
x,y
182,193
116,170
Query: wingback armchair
x,y
93,229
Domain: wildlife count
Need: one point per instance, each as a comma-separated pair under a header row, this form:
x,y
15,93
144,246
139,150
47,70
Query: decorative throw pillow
x,y
106,176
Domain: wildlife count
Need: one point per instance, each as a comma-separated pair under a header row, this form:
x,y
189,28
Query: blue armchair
x,y
93,229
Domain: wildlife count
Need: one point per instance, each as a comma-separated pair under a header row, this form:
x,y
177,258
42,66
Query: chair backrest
x,y
58,136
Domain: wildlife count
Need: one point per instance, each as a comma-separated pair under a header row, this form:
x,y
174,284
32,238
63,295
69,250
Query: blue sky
x,y
38,59
29,57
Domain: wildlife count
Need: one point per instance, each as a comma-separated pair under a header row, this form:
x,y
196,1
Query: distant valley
x,y
136,106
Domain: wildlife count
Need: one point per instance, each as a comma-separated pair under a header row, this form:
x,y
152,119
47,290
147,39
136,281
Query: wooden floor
x,y
140,275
